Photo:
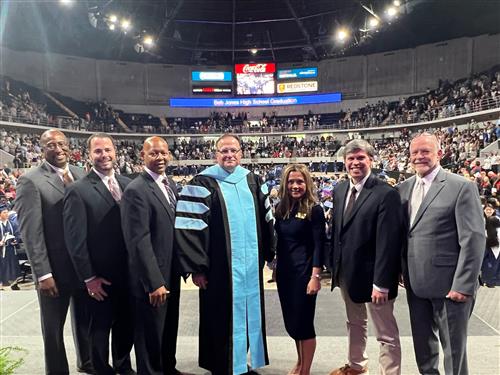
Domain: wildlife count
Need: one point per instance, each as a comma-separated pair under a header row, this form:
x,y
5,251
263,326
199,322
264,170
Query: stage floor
x,y
20,326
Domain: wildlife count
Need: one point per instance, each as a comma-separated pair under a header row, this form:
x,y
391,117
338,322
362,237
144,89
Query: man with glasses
x,y
224,230
39,205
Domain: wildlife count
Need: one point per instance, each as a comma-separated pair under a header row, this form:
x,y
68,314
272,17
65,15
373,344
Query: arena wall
x,y
149,86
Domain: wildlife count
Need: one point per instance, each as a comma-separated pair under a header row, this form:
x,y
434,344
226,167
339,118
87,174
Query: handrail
x,y
487,104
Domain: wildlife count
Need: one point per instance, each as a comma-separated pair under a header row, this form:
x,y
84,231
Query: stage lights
x,y
148,41
391,12
342,35
373,23
66,2
112,26
113,18
254,51
125,24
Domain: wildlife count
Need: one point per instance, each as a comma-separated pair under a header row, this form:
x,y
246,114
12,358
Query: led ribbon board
x,y
297,73
256,101
211,76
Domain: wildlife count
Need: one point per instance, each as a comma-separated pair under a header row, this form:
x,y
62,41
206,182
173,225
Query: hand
x,y
313,286
159,296
2,243
457,296
48,287
379,298
94,287
200,280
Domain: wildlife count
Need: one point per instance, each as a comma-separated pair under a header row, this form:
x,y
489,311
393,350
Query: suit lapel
x,y
341,193
159,194
434,190
53,178
98,185
365,193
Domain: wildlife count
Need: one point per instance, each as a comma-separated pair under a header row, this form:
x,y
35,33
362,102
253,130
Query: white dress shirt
x,y
158,178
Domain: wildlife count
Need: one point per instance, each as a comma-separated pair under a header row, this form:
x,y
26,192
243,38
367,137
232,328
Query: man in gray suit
x,y
39,204
442,257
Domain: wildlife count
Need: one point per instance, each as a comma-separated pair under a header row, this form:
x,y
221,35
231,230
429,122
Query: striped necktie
x,y
170,194
114,189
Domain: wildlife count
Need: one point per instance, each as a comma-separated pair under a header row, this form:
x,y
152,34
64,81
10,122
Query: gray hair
x,y
359,145
430,136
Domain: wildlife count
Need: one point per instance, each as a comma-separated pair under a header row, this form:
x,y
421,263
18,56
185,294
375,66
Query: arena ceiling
x,y
209,32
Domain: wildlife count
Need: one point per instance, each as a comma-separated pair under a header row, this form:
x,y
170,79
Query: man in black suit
x,y
366,259
148,214
39,205
93,233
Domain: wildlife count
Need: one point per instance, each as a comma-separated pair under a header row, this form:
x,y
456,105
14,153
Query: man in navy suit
x,y
93,233
366,259
148,214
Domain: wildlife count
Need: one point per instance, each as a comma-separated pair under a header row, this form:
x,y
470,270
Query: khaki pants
x,y
386,331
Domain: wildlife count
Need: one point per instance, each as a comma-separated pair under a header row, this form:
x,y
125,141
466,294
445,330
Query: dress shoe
x,y
86,370
348,370
175,372
127,372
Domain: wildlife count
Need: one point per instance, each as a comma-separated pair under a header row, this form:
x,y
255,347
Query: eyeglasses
x,y
53,145
227,151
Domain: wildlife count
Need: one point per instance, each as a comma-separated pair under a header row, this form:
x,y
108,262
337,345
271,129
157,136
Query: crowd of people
x,y
449,99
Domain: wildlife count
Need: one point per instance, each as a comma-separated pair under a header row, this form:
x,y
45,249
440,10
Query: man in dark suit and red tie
x,y
93,233
148,214
39,205
366,260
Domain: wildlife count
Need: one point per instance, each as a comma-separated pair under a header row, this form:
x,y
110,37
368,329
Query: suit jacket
x,y
148,228
445,244
366,246
93,231
39,205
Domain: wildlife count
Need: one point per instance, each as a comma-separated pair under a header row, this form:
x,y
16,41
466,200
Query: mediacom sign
x,y
297,86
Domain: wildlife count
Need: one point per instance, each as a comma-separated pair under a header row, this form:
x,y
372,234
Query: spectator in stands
x,y
9,238
490,269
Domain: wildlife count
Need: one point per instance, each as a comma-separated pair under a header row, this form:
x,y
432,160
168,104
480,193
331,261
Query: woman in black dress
x,y
300,226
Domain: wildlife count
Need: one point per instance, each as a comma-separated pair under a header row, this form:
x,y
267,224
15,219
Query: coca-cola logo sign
x,y
255,68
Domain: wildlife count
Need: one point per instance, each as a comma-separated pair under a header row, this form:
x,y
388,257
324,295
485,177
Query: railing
x,y
412,118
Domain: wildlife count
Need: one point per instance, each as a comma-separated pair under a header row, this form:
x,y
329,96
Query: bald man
x,y
39,204
441,257
148,214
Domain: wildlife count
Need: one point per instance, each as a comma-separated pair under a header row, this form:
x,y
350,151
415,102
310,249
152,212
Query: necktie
x,y
416,199
171,196
67,179
350,204
114,189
